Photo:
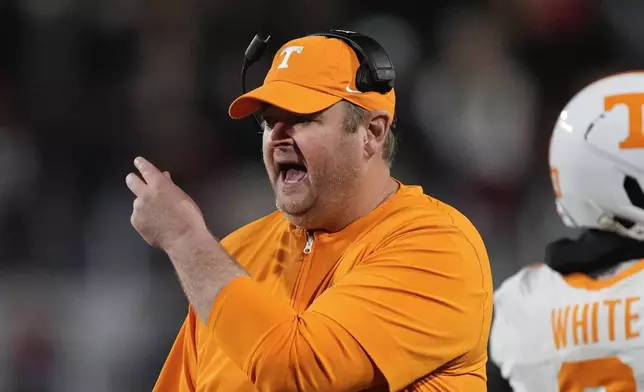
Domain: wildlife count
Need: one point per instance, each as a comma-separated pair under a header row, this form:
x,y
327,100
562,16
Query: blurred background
x,y
85,86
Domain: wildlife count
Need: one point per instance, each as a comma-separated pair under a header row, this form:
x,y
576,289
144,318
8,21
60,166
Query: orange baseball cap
x,y
308,75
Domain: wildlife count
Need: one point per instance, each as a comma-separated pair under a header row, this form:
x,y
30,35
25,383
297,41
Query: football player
x,y
576,322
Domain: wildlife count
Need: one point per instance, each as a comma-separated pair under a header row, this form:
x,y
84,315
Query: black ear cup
x,y
364,82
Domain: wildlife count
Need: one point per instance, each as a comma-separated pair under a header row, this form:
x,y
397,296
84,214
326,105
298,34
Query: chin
x,y
293,207
294,201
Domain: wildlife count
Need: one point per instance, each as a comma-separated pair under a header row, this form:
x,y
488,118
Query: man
x,y
577,323
357,282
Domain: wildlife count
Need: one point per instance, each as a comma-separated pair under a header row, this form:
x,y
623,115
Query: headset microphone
x,y
253,53
256,48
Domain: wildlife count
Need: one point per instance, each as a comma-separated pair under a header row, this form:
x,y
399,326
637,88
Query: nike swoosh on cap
x,y
352,91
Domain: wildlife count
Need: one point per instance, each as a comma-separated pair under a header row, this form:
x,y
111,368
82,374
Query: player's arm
x,y
498,342
504,333
180,368
419,302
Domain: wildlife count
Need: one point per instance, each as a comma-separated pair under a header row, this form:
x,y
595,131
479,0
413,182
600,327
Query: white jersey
x,y
572,334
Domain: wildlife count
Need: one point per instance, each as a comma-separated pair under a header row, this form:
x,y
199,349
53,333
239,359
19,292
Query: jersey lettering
x,y
583,320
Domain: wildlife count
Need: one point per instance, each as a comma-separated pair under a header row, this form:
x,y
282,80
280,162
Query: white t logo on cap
x,y
287,52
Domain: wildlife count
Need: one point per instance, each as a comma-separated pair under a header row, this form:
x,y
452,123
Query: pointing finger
x,y
149,172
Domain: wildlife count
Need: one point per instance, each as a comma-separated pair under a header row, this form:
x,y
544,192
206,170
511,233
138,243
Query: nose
x,y
281,135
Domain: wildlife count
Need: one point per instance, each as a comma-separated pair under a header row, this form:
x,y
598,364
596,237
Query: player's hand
x,y
162,212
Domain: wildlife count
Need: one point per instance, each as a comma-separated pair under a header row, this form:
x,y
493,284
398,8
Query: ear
x,y
376,134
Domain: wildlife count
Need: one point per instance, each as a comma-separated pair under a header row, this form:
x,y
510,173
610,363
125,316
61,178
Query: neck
x,y
368,195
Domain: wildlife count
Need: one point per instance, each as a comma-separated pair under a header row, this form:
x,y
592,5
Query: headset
x,y
375,73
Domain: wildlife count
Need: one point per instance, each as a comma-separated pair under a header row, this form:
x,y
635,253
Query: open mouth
x,y
292,173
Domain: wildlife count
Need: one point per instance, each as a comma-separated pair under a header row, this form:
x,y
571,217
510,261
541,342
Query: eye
x,y
267,123
302,120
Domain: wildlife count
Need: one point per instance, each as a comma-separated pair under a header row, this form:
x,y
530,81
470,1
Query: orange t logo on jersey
x,y
635,103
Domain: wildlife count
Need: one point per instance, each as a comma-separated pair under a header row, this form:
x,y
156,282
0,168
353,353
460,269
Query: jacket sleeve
x,y
414,305
179,370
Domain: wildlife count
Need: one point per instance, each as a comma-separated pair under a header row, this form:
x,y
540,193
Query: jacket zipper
x,y
307,249
309,244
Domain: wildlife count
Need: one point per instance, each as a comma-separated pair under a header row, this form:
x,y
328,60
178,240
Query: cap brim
x,y
284,95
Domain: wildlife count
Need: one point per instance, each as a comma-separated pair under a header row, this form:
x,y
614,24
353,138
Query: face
x,y
312,162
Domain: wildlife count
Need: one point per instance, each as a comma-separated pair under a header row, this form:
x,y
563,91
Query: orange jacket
x,y
406,288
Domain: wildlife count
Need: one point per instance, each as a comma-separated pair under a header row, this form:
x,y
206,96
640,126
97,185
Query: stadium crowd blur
x,y
85,86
